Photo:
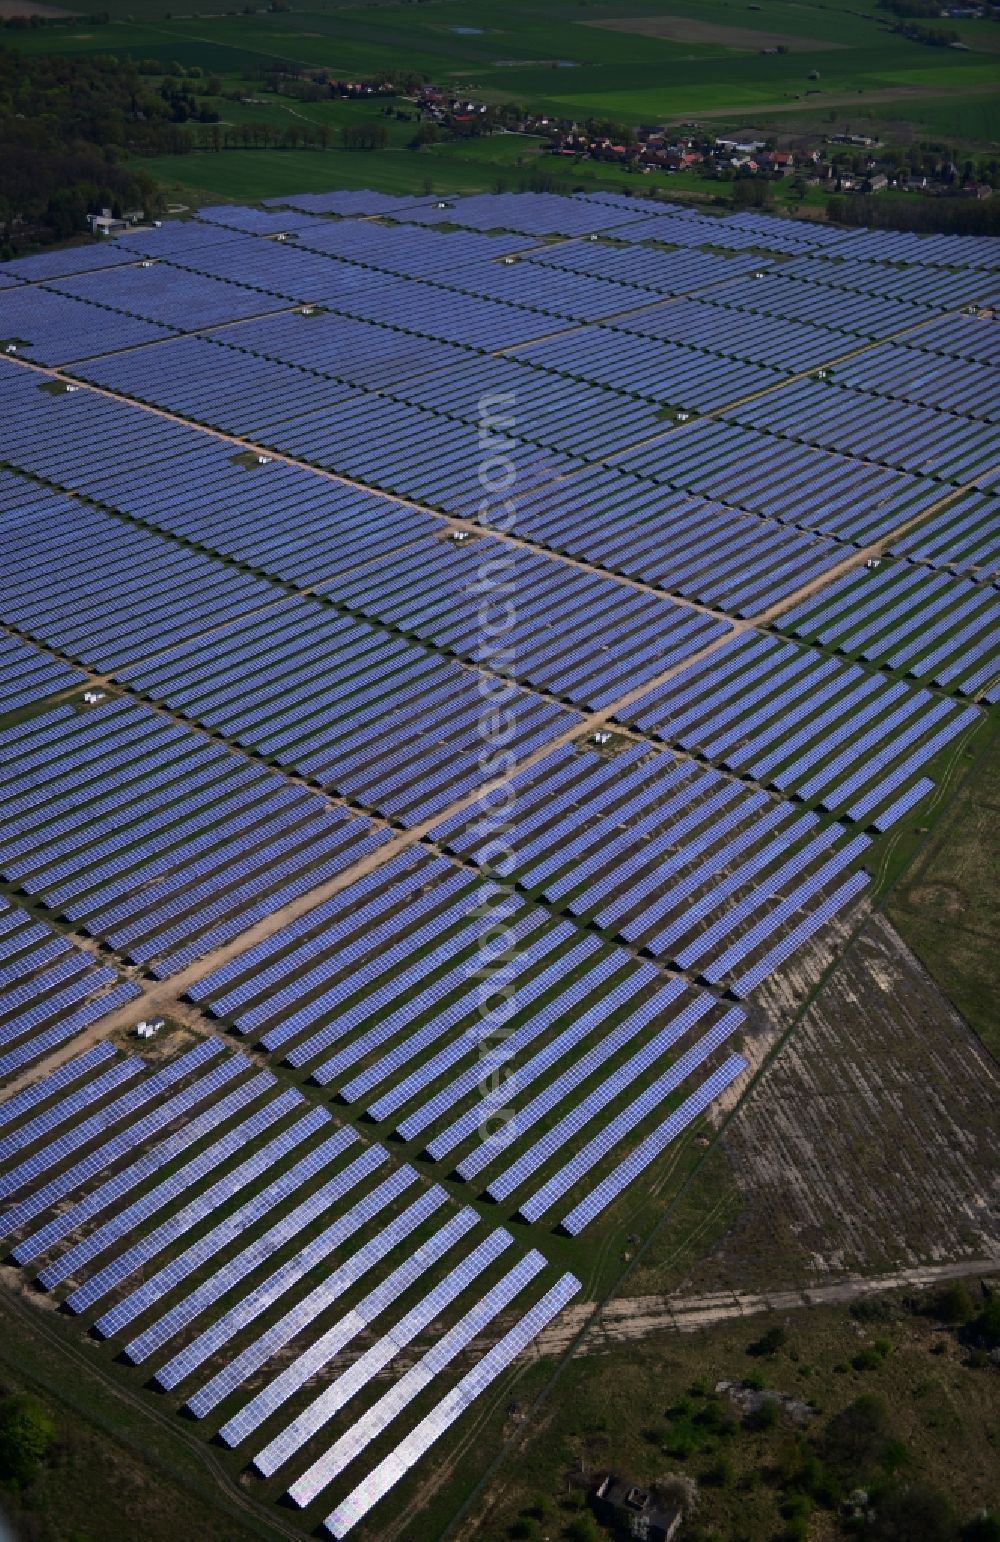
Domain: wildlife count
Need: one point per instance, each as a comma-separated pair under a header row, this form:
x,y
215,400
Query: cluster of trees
x,y
285,76
927,10
256,136
943,216
749,192
933,37
364,136
937,163
66,129
34,21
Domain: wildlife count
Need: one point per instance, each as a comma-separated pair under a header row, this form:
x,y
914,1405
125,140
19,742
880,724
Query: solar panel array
x,y
27,675
931,626
214,1226
50,989
746,524
376,992
158,842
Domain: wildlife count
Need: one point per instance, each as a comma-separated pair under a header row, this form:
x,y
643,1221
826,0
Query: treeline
x,y
291,136
66,129
33,22
928,10
255,136
940,216
933,37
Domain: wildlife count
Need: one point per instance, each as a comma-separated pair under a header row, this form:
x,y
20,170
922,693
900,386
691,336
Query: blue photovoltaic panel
x,y
267,504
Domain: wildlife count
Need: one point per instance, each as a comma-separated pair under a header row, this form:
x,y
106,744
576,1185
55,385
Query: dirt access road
x,y
638,1317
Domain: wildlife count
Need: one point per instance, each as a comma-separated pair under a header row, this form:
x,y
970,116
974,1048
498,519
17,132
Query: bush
x,y
769,1343
954,1304
984,1528
720,1474
26,1436
583,1528
879,1310
680,1444
897,1455
813,1479
985,1329
854,1443
906,1512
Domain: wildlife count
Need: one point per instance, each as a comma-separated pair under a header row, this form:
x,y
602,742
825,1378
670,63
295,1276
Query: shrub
x,y
769,1343
953,1304
765,1417
26,1436
720,1474
907,1511
985,1328
855,1440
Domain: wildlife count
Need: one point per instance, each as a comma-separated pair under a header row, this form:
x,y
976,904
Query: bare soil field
x,y
687,29
870,1142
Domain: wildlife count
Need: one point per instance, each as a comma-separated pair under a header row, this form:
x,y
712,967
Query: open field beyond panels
x,y
633,62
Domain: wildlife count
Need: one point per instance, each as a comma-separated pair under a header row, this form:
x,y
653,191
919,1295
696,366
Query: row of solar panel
x,y
196,832
816,738
28,676
51,989
873,428
326,1193
930,625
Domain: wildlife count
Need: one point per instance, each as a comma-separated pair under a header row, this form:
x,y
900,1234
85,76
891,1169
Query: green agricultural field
x,y
630,59
254,174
